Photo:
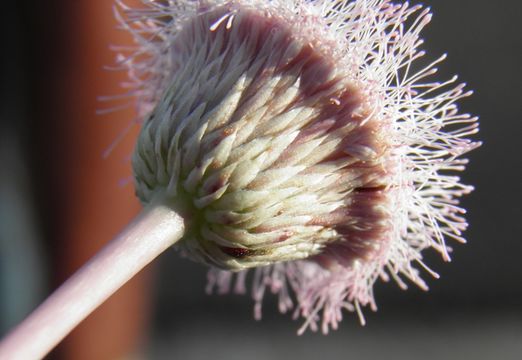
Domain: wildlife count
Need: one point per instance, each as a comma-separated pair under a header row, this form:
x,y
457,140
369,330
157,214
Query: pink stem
x,y
152,232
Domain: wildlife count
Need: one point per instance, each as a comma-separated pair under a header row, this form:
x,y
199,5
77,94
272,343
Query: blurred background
x,y
60,200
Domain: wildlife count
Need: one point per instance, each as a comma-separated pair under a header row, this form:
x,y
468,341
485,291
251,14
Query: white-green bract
x,y
299,138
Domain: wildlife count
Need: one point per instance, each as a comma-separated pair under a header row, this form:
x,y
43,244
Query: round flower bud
x,y
295,137
270,147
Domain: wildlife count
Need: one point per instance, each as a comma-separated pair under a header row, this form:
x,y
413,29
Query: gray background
x,y
473,312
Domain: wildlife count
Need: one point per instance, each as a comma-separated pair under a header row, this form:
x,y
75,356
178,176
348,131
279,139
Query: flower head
x,y
299,138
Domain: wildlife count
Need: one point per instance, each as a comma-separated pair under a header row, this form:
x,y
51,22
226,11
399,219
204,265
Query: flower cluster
x,y
300,138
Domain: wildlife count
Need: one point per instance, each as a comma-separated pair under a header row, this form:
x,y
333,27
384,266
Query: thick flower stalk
x,y
299,138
